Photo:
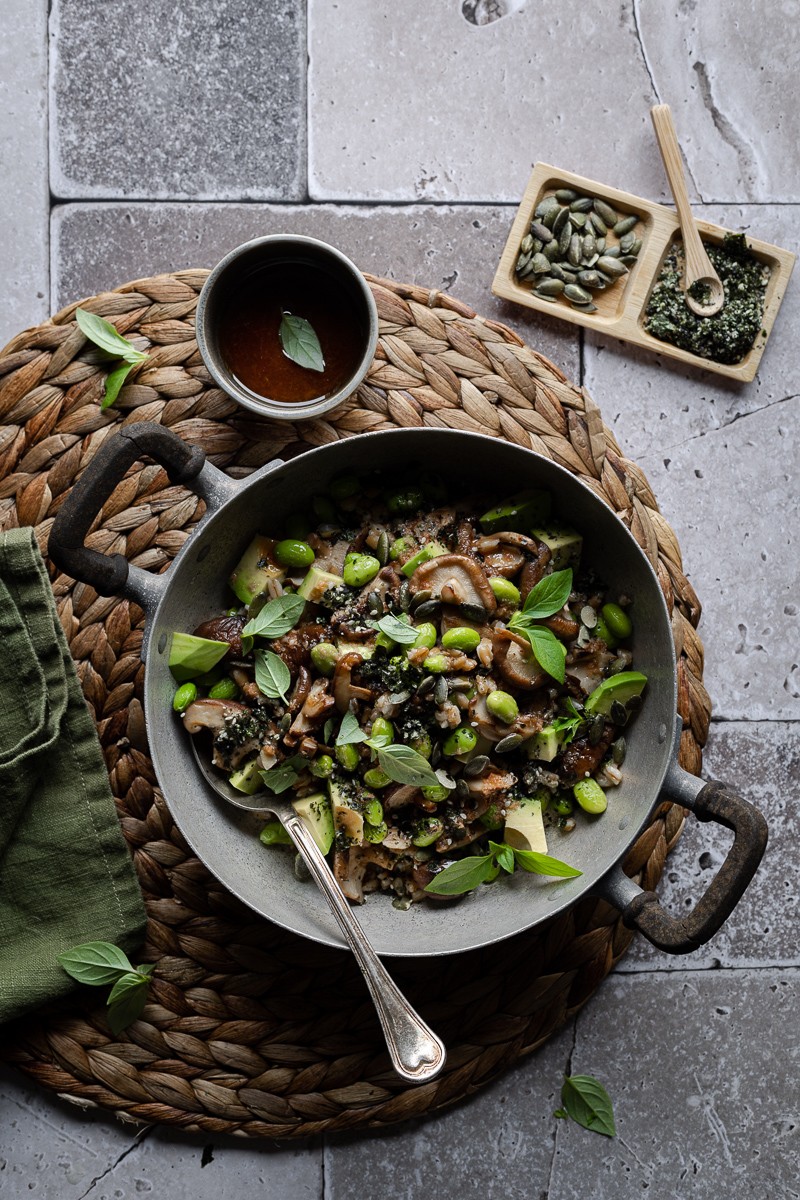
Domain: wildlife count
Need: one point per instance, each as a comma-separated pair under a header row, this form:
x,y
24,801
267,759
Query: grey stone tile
x,y
455,249
762,762
55,1151
722,461
460,112
153,100
702,1072
24,232
498,1143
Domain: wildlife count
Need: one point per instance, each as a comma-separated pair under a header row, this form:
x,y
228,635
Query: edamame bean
x,y
273,834
427,831
344,486
503,706
373,810
436,664
382,731
505,591
405,501
359,569
564,806
324,657
590,796
398,548
322,766
422,744
601,630
226,689
291,552
436,793
460,741
376,778
185,695
347,756
461,637
492,818
426,635
375,833
617,621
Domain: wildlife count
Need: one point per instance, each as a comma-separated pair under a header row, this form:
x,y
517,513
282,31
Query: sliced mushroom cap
x,y
210,714
534,568
398,795
224,629
491,786
457,579
344,690
317,704
513,657
349,868
505,553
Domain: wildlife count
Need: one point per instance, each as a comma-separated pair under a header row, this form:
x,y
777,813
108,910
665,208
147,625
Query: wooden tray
x,y
621,308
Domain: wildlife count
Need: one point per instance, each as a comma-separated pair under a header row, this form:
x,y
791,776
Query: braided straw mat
x,y
249,1029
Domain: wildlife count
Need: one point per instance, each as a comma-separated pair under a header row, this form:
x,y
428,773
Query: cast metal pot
x,y
195,588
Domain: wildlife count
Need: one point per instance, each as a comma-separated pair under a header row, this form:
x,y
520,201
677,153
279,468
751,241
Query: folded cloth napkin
x,y
65,872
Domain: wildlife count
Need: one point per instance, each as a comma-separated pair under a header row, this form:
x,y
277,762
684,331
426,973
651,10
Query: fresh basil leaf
x,y
300,343
548,596
404,765
350,731
126,1007
280,779
462,876
103,334
587,1102
273,677
146,969
114,382
95,963
543,864
277,617
327,730
131,980
399,631
504,857
549,652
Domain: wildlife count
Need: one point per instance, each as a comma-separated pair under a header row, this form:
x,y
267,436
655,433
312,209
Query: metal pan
x,y
195,588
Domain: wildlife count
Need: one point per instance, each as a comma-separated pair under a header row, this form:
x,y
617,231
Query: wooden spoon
x,y
697,268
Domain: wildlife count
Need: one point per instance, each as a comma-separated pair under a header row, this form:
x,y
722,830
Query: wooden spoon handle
x,y
698,264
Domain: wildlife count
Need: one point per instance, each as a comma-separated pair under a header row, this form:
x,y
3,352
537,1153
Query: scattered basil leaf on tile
x,y
587,1102
114,382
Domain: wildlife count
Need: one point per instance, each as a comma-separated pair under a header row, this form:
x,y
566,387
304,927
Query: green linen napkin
x,y
65,872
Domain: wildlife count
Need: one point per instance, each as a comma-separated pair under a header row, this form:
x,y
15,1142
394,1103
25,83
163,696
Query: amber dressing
x,y
250,344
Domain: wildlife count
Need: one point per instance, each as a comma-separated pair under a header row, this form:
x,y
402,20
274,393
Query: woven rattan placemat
x,y
252,1030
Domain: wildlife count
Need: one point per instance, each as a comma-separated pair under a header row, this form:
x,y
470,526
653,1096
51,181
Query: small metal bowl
x,y
235,269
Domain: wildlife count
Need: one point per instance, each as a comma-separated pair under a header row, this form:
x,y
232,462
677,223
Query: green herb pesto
x,y
727,336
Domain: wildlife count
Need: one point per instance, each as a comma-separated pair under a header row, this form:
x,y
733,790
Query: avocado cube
x,y
565,544
544,745
190,656
525,827
621,688
248,778
428,551
316,584
315,813
348,821
254,570
518,513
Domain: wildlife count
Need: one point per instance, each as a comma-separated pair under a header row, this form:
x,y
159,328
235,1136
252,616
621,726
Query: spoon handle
x,y
698,264
416,1052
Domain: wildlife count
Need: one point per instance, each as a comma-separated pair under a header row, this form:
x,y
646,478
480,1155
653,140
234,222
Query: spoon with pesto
x,y
703,289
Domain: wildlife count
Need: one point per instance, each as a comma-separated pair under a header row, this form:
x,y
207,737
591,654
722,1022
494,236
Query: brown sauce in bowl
x,y
249,340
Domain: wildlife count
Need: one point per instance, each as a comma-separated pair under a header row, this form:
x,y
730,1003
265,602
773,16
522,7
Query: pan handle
x,y
709,802
112,574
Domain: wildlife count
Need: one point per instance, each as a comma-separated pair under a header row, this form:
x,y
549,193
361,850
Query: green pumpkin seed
x,y
587,308
636,247
577,294
581,205
568,273
625,242
588,246
550,287
551,251
526,274
540,264
526,245
574,252
541,232
600,245
578,220
550,216
588,279
611,266
588,263
382,549
605,212
613,252
629,259
625,224
565,236
562,216
522,262
598,224
558,272
566,195
540,295
536,245
545,206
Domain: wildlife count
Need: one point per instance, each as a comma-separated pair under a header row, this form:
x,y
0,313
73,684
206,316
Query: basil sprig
x,y
468,873
300,343
588,1103
275,619
101,963
280,779
399,762
398,630
103,334
273,677
545,599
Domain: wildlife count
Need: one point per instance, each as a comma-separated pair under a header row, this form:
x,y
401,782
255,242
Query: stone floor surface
x,y
137,138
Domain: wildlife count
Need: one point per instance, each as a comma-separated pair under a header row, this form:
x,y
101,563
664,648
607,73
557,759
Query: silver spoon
x,y
697,268
416,1052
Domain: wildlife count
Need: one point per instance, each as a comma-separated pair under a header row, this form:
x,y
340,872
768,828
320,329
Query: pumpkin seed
x,y
588,279
611,266
587,308
618,749
588,245
598,224
578,220
551,251
420,598
589,616
545,207
582,205
526,245
462,789
507,744
375,604
618,714
476,767
600,245
577,294
636,247
429,608
629,259
574,252
404,596
544,296
541,232
605,212
474,612
523,261
382,548
596,725
613,252
565,236
625,243
562,216
566,195
550,287
426,686
540,264
440,691
625,224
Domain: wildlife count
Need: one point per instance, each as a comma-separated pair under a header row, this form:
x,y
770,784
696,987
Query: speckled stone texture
x,y
24,208
178,100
